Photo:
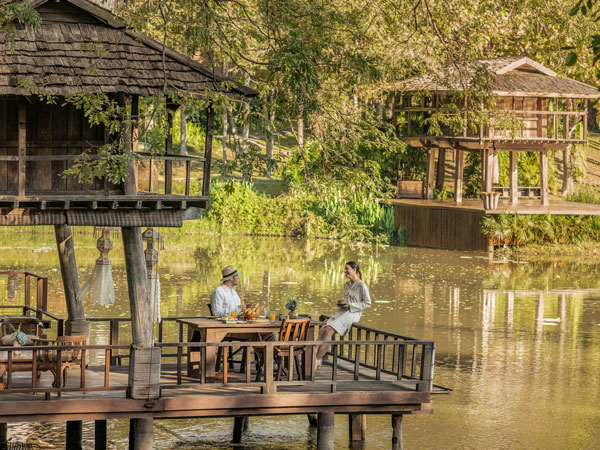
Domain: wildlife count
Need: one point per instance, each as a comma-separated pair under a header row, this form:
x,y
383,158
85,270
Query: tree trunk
x,y
567,185
224,138
245,133
233,128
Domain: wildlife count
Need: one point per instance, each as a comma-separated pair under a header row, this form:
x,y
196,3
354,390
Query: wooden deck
x,y
447,225
370,371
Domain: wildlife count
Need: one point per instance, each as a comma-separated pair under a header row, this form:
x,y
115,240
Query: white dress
x,y
357,296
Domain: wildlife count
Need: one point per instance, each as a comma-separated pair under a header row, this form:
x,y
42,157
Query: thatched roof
x,y
83,47
510,76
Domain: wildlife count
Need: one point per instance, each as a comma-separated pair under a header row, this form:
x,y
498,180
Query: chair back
x,y
210,309
75,353
294,329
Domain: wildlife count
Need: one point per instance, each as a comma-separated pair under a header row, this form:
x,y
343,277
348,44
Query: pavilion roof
x,y
83,47
510,76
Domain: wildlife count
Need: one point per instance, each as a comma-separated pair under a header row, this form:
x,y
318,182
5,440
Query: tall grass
x,y
584,193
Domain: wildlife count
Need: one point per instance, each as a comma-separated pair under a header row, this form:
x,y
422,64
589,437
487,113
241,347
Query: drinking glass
x,y
272,317
234,314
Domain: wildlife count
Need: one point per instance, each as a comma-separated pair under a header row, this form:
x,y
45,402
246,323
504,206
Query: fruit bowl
x,y
251,316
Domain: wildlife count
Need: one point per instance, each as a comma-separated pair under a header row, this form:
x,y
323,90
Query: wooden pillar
x,y
489,170
135,121
441,169
357,427
210,119
240,424
140,434
129,184
169,148
325,430
144,363
429,175
76,323
544,177
22,143
458,179
514,177
397,441
100,434
74,435
3,435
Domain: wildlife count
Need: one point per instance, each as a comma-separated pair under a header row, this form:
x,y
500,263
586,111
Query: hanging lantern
x,y
101,281
153,240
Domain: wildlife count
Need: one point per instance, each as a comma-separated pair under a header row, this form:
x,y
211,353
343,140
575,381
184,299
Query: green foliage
x,y
584,193
356,216
17,12
516,230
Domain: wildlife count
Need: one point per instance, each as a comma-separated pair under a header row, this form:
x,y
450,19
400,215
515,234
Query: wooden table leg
x,y
193,363
211,352
308,354
2,372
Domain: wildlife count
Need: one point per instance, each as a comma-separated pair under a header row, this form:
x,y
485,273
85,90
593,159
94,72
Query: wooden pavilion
x,y
548,111
531,110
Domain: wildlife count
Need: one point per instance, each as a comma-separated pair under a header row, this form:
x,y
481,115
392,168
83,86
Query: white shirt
x,y
224,300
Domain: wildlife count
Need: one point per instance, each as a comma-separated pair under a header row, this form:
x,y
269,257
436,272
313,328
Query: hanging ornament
x,y
101,281
153,240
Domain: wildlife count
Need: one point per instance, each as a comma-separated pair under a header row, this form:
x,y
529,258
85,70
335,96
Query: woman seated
x,y
356,300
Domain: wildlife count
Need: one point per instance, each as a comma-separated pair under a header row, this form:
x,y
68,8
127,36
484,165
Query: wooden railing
x,y
412,370
171,187
538,125
16,362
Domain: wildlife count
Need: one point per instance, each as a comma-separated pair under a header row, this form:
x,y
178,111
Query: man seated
x,y
225,299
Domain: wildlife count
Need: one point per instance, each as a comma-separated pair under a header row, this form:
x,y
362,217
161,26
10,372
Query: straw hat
x,y
228,273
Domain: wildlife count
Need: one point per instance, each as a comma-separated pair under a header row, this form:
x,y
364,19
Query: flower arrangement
x,y
292,304
18,336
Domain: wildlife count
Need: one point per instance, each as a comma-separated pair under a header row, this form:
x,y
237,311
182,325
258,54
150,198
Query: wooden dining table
x,y
21,362
212,330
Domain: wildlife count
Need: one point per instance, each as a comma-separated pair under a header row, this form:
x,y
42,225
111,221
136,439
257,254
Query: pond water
x,y
517,341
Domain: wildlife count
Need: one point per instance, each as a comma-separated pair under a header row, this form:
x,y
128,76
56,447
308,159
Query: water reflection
x,y
518,341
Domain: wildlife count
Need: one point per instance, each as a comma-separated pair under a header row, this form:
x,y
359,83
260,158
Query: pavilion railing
x,y
411,370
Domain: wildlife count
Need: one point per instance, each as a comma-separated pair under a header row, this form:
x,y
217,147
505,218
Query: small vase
x,y
293,314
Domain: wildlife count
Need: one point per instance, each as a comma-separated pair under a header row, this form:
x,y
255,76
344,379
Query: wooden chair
x,y
292,330
48,360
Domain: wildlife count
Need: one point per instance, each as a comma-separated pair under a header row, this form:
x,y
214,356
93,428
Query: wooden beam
x,y
544,178
210,119
458,176
22,118
429,175
514,177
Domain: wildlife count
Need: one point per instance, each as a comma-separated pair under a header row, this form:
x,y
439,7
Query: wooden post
x,y
169,148
240,424
3,436
140,434
129,184
74,435
135,121
397,441
514,177
441,169
312,420
100,434
22,118
210,119
357,427
429,175
325,430
489,170
458,179
76,323
544,177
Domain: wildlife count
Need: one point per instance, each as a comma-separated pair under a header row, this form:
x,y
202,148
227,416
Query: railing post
x,y
427,364
114,340
27,293
269,384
